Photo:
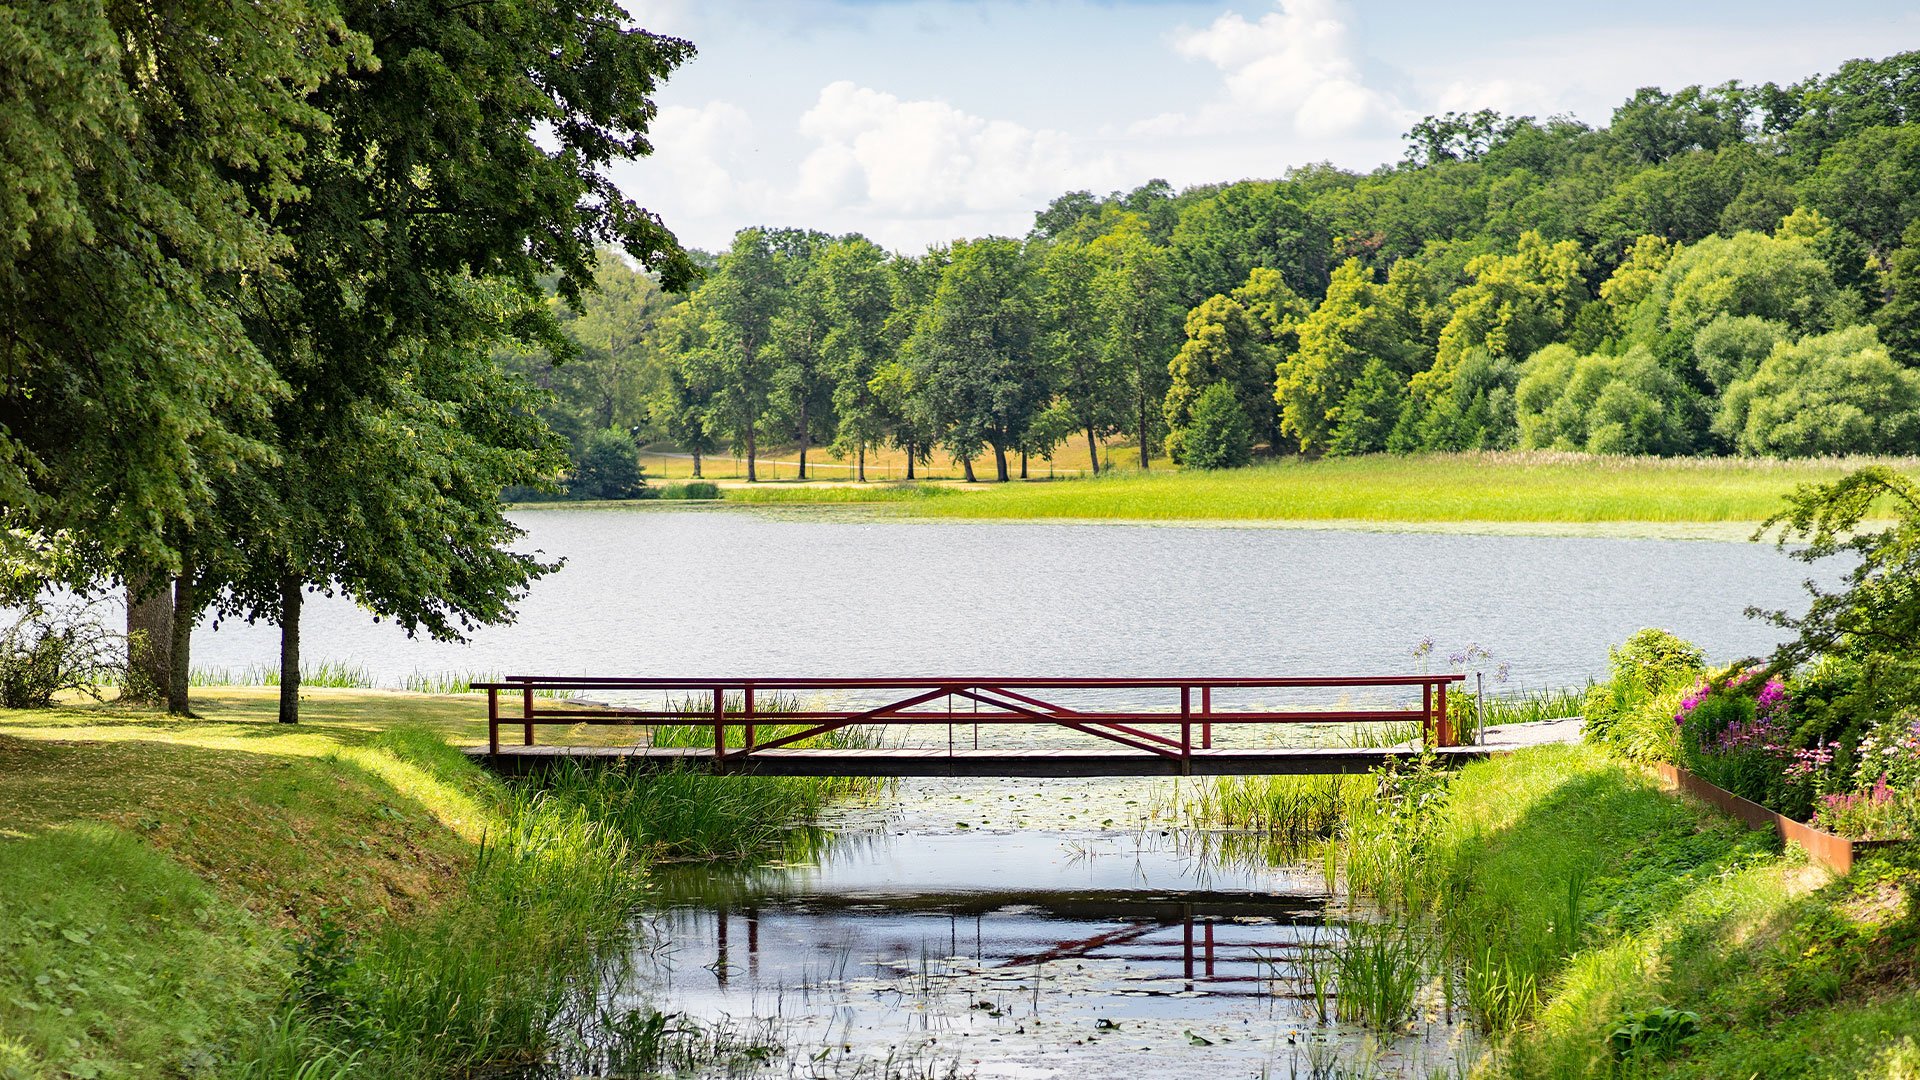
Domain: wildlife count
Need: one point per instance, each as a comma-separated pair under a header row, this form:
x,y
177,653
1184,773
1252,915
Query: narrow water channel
x,y
1009,928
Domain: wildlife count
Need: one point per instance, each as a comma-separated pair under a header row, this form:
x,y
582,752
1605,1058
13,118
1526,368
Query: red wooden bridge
x,y
802,727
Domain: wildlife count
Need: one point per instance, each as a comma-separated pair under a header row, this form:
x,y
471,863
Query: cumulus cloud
x,y
922,159
1297,65
1505,95
703,152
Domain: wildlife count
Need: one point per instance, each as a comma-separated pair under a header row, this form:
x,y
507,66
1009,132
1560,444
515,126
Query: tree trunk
x,y
1023,464
999,463
860,456
291,595
1093,450
966,464
1145,462
186,608
149,641
696,464
751,475
910,454
805,430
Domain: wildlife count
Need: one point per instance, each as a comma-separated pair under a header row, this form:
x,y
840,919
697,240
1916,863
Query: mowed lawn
x,y
1475,487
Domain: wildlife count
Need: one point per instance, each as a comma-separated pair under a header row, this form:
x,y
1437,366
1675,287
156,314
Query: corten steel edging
x,y
1836,853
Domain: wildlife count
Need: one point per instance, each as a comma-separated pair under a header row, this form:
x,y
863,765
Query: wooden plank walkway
x,y
1038,762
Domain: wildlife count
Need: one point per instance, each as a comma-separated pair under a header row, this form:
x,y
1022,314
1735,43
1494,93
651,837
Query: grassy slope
x,y
157,870
167,880
1793,974
1546,488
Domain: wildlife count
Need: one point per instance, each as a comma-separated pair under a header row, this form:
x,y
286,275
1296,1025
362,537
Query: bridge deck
x,y
1039,762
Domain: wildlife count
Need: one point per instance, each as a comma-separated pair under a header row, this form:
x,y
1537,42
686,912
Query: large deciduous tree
x,y
856,287
978,348
1139,306
1074,333
146,150
1223,346
463,166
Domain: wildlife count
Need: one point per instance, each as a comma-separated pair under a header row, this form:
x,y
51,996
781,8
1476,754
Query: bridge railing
x,y
741,704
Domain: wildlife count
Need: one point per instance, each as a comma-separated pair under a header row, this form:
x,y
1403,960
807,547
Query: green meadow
x,y
1507,488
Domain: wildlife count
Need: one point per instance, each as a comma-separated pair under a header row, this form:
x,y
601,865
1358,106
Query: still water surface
x,y
725,592
1133,949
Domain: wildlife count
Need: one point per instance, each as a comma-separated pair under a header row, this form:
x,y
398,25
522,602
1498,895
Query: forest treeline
x,y
1730,269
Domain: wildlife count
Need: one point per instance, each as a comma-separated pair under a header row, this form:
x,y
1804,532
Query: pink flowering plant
x,y
1736,730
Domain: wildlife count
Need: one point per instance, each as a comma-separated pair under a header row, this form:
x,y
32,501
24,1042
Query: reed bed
x,y
1546,487
688,814
329,674
528,942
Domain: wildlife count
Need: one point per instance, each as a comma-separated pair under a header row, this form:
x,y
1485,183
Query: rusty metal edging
x,y
1830,850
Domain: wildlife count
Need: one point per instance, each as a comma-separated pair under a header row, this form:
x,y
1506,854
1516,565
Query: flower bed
x,y
1834,748
1837,853
1779,742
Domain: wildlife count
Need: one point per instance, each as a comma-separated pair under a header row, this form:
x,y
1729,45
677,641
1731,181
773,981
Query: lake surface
x,y
673,592
925,941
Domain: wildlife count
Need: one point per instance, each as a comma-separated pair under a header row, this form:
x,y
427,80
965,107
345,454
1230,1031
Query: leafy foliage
x,y
1217,435
47,652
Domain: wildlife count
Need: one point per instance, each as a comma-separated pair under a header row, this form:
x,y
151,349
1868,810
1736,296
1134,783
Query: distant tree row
x,y
1720,270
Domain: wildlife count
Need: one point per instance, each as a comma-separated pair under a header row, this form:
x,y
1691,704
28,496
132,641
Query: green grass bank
x,y
1510,488
230,897
1607,928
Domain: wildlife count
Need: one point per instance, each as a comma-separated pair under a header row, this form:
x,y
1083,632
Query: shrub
x,y
692,489
1633,712
1218,435
1837,393
46,652
1603,404
607,467
1656,661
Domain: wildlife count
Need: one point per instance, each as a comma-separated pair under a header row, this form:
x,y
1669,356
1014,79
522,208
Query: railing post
x,y
748,695
1445,722
1186,734
719,723
526,711
1206,714
1426,715
493,720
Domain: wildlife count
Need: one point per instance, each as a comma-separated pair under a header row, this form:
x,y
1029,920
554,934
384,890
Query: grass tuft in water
x,y
1379,969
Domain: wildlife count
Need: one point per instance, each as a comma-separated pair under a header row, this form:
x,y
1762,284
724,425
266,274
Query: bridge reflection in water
x,y
1017,952
1225,944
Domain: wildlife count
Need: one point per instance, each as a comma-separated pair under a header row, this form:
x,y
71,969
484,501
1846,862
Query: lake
x,y
668,591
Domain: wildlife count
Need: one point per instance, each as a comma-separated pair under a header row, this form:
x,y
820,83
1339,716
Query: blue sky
x,y
920,121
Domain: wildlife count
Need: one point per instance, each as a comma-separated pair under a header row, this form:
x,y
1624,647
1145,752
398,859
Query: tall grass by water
x,y
1544,487
339,675
485,980
535,935
685,813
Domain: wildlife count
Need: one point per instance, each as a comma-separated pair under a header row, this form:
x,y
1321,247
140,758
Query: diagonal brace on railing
x,y
1075,725
857,718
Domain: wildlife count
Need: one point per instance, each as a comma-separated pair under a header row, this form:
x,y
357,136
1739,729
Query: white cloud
x,y
1297,65
925,159
1510,96
704,153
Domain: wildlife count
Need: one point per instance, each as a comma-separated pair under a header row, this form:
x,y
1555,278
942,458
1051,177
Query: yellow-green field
x,y
1546,488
